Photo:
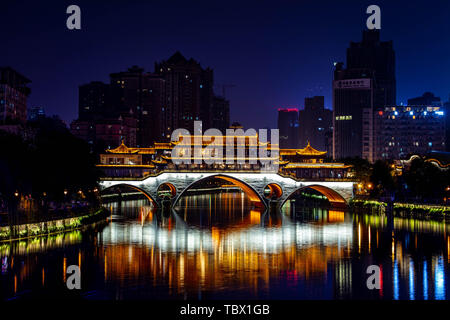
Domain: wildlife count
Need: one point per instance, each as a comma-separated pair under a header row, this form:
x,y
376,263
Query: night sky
x,y
275,52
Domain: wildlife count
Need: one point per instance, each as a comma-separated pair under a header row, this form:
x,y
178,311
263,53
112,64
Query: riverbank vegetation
x,y
46,173
421,182
30,230
398,209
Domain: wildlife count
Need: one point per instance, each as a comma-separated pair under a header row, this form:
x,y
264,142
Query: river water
x,y
218,247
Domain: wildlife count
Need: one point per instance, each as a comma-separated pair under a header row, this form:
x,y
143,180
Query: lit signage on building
x,y
352,84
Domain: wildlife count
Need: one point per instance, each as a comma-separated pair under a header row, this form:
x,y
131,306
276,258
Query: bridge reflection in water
x,y
219,246
210,251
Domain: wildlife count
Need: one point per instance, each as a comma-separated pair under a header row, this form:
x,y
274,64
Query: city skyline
x,y
265,79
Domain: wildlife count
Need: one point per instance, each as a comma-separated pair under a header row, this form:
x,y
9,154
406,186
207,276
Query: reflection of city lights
x,y
439,282
411,279
425,280
255,217
253,238
395,284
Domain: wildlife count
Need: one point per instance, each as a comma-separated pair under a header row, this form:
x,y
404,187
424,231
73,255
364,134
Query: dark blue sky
x,y
275,52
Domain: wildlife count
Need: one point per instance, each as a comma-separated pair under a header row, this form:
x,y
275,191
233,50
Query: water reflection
x,y
219,246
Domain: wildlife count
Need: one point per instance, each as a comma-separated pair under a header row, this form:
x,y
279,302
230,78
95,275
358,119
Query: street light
x,y
16,194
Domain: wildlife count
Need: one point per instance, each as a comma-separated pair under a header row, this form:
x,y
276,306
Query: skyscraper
x,y
288,128
129,107
13,96
220,113
314,123
189,93
368,83
93,100
140,95
427,99
178,93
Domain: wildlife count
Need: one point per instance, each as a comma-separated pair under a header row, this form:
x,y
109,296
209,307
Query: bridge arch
x,y
166,189
253,195
335,198
273,191
126,185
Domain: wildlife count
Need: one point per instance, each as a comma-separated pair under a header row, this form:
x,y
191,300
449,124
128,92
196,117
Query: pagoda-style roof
x,y
310,151
123,149
302,165
307,151
159,161
163,145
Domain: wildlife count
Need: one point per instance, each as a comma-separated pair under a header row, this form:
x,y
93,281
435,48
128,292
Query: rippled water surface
x,y
217,246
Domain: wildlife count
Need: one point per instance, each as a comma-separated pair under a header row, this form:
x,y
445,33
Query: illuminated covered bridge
x,y
152,170
255,185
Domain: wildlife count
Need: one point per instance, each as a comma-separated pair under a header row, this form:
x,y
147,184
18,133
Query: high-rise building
x,y
402,131
427,99
315,122
132,98
93,101
288,128
368,83
13,96
36,113
189,93
106,133
140,95
177,94
220,113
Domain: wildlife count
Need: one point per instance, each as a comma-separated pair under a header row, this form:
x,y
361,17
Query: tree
x,y
382,179
425,181
362,168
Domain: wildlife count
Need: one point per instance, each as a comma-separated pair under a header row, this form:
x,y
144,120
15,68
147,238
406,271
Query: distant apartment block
x,y
14,92
288,128
401,131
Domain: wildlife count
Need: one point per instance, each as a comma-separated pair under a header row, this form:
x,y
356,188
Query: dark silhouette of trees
x,y
425,182
49,165
382,179
361,168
